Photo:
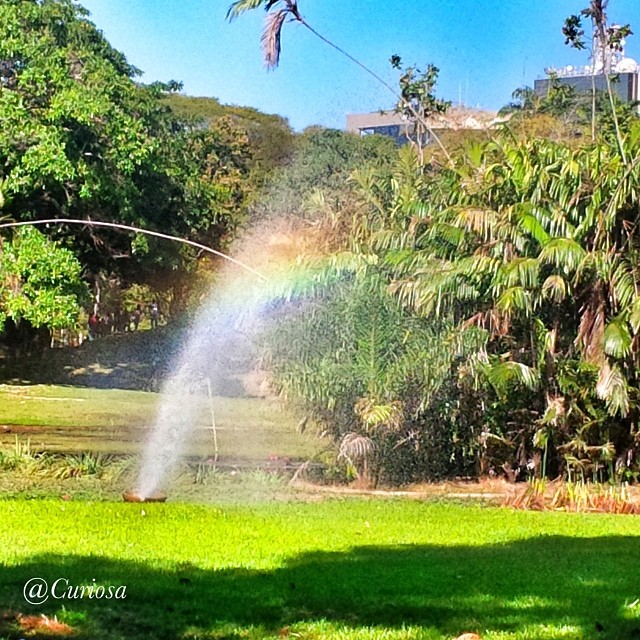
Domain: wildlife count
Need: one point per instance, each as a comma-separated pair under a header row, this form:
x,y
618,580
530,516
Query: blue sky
x,y
484,49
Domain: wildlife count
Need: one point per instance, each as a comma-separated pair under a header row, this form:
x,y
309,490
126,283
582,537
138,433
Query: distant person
x,y
154,314
136,316
93,326
121,321
107,324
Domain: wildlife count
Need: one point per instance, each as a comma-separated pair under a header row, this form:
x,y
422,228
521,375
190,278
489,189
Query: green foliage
x,y
369,371
531,243
315,185
67,102
270,136
573,113
501,241
417,101
21,457
41,281
82,139
603,111
85,464
596,13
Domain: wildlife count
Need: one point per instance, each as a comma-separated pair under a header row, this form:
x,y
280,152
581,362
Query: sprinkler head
x,y
132,496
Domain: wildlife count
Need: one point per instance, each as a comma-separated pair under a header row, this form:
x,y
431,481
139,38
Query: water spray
x,y
173,437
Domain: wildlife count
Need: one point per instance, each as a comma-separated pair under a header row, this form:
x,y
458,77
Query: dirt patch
x,y
491,490
35,626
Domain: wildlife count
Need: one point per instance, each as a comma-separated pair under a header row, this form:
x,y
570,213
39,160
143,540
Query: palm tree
x,y
281,11
536,243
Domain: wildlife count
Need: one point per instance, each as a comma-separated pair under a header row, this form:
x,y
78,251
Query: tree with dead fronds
x,y
281,11
606,40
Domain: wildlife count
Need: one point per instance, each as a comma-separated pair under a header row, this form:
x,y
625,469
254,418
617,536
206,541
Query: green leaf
x,y
241,6
513,300
40,281
521,272
507,375
612,388
530,224
634,317
541,436
617,339
563,253
623,283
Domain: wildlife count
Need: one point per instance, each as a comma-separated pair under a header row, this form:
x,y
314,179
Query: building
x,y
385,123
397,126
624,72
625,85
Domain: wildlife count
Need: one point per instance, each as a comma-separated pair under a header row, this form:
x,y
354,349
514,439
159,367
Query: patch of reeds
x,y
540,495
21,458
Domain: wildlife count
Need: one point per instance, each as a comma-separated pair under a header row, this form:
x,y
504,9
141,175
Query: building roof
x,y
455,118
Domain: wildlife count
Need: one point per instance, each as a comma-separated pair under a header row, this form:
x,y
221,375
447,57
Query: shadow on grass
x,y
587,584
136,360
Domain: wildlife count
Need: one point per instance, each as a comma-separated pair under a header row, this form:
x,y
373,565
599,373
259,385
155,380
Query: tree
x,y
529,243
81,139
370,372
534,242
314,187
526,250
270,136
606,40
418,102
41,286
281,11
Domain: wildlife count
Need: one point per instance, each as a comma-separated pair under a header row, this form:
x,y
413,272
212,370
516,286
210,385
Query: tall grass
x,y
577,496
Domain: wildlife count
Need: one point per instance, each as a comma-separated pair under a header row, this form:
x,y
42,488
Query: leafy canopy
x,y
41,282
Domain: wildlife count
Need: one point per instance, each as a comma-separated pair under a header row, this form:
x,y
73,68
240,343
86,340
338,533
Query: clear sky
x,y
484,49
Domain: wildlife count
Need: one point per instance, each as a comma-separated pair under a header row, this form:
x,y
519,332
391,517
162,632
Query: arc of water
x,y
126,227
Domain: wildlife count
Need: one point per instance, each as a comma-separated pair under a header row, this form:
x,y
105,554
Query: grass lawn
x,y
339,569
74,419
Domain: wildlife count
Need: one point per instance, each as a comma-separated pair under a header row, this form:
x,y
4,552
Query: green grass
x,y
365,569
73,419
60,406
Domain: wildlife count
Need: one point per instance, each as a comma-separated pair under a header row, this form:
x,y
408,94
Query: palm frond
x,y
521,272
239,7
530,224
634,316
506,375
623,284
375,415
612,388
617,339
271,37
563,253
513,300
554,288
480,221
355,447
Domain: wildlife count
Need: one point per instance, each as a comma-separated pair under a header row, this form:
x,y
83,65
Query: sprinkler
x,y
132,496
